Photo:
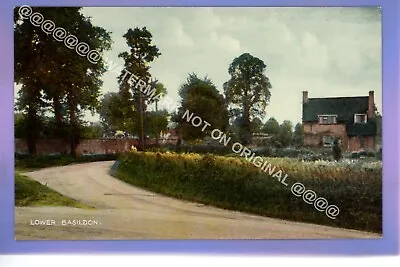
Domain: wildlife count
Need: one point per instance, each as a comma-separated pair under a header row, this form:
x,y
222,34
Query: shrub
x,y
337,149
59,160
235,183
379,154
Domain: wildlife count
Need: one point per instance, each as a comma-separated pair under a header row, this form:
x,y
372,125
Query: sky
x,y
326,51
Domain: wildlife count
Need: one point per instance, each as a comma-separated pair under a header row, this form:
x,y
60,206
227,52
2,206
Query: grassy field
x,y
234,183
32,193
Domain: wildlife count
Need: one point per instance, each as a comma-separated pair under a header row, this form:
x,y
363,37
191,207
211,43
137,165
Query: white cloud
x,y
327,51
229,44
174,33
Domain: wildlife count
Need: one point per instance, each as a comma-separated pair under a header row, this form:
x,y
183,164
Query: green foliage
x,y
141,53
155,122
92,131
337,149
234,183
378,122
31,193
200,97
271,127
379,154
298,135
256,125
20,125
116,114
28,163
160,91
282,135
47,127
285,136
54,76
247,92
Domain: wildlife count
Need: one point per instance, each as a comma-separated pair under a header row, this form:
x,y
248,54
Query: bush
x,y
234,183
364,154
58,160
337,149
265,151
203,149
379,154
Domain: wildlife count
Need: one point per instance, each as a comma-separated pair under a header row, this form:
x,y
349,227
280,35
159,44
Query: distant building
x,y
169,137
352,119
119,134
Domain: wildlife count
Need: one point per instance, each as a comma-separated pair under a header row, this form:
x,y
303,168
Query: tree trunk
x,y
57,111
32,131
157,132
246,124
74,134
58,117
141,121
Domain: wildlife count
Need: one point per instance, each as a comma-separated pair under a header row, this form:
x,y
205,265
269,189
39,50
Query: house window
x,y
328,141
360,118
327,119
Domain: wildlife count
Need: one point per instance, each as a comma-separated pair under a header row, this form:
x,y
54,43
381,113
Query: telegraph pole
x,y
141,120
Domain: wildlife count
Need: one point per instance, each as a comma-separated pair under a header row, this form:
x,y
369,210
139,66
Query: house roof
x,y
343,107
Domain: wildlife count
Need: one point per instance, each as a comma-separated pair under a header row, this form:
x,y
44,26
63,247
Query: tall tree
x,y
49,70
28,68
92,131
200,97
247,91
157,122
82,81
298,135
114,115
271,126
286,133
160,91
137,62
256,125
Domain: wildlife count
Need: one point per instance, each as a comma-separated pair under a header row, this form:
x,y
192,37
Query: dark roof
x,y
344,107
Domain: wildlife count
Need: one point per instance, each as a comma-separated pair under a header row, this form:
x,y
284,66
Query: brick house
x,y
352,119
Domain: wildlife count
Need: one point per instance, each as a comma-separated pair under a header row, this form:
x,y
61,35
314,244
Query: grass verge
x,y
32,193
25,164
235,184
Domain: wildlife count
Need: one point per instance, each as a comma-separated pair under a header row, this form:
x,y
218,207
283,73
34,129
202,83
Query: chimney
x,y
305,97
371,105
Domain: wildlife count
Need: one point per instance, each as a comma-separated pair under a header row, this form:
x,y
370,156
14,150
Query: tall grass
x,y
35,163
234,183
32,193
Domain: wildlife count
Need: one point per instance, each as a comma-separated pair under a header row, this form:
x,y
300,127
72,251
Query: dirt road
x,y
126,212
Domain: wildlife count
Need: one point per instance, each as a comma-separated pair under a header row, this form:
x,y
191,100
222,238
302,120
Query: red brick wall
x,y
43,146
355,144
86,146
313,133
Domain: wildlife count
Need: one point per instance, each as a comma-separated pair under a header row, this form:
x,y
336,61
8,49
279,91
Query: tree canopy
x,y
201,97
247,91
53,75
137,65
